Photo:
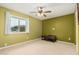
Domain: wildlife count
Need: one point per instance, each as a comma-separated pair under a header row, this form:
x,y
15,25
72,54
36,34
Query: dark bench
x,y
52,38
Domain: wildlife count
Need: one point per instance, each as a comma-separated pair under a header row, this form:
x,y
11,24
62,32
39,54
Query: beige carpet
x,y
40,47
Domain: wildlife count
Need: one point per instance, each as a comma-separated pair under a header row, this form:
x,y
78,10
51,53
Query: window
x,y
16,24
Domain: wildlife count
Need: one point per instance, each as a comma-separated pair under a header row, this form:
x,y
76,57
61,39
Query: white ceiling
x,y
58,9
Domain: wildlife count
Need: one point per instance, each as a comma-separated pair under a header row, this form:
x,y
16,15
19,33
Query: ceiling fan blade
x,y
33,12
47,11
44,15
41,7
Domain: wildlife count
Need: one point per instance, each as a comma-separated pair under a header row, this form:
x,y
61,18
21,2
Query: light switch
x,y
69,38
53,28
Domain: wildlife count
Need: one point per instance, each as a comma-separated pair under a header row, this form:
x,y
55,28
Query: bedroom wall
x,y
35,29
78,39
63,27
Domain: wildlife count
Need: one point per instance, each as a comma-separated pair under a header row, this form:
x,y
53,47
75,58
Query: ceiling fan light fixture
x,y
40,15
42,12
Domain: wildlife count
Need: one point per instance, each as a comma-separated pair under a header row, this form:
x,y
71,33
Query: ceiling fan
x,y
42,12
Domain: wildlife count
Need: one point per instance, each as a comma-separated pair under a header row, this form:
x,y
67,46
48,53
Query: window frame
x,y
8,21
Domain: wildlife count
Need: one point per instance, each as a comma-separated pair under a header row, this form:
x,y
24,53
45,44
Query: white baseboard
x,y
67,42
20,43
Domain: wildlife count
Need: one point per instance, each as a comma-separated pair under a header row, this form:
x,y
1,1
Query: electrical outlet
x,y
5,44
27,37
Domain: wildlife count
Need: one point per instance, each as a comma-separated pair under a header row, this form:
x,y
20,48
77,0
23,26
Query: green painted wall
x,y
64,27
78,39
35,29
